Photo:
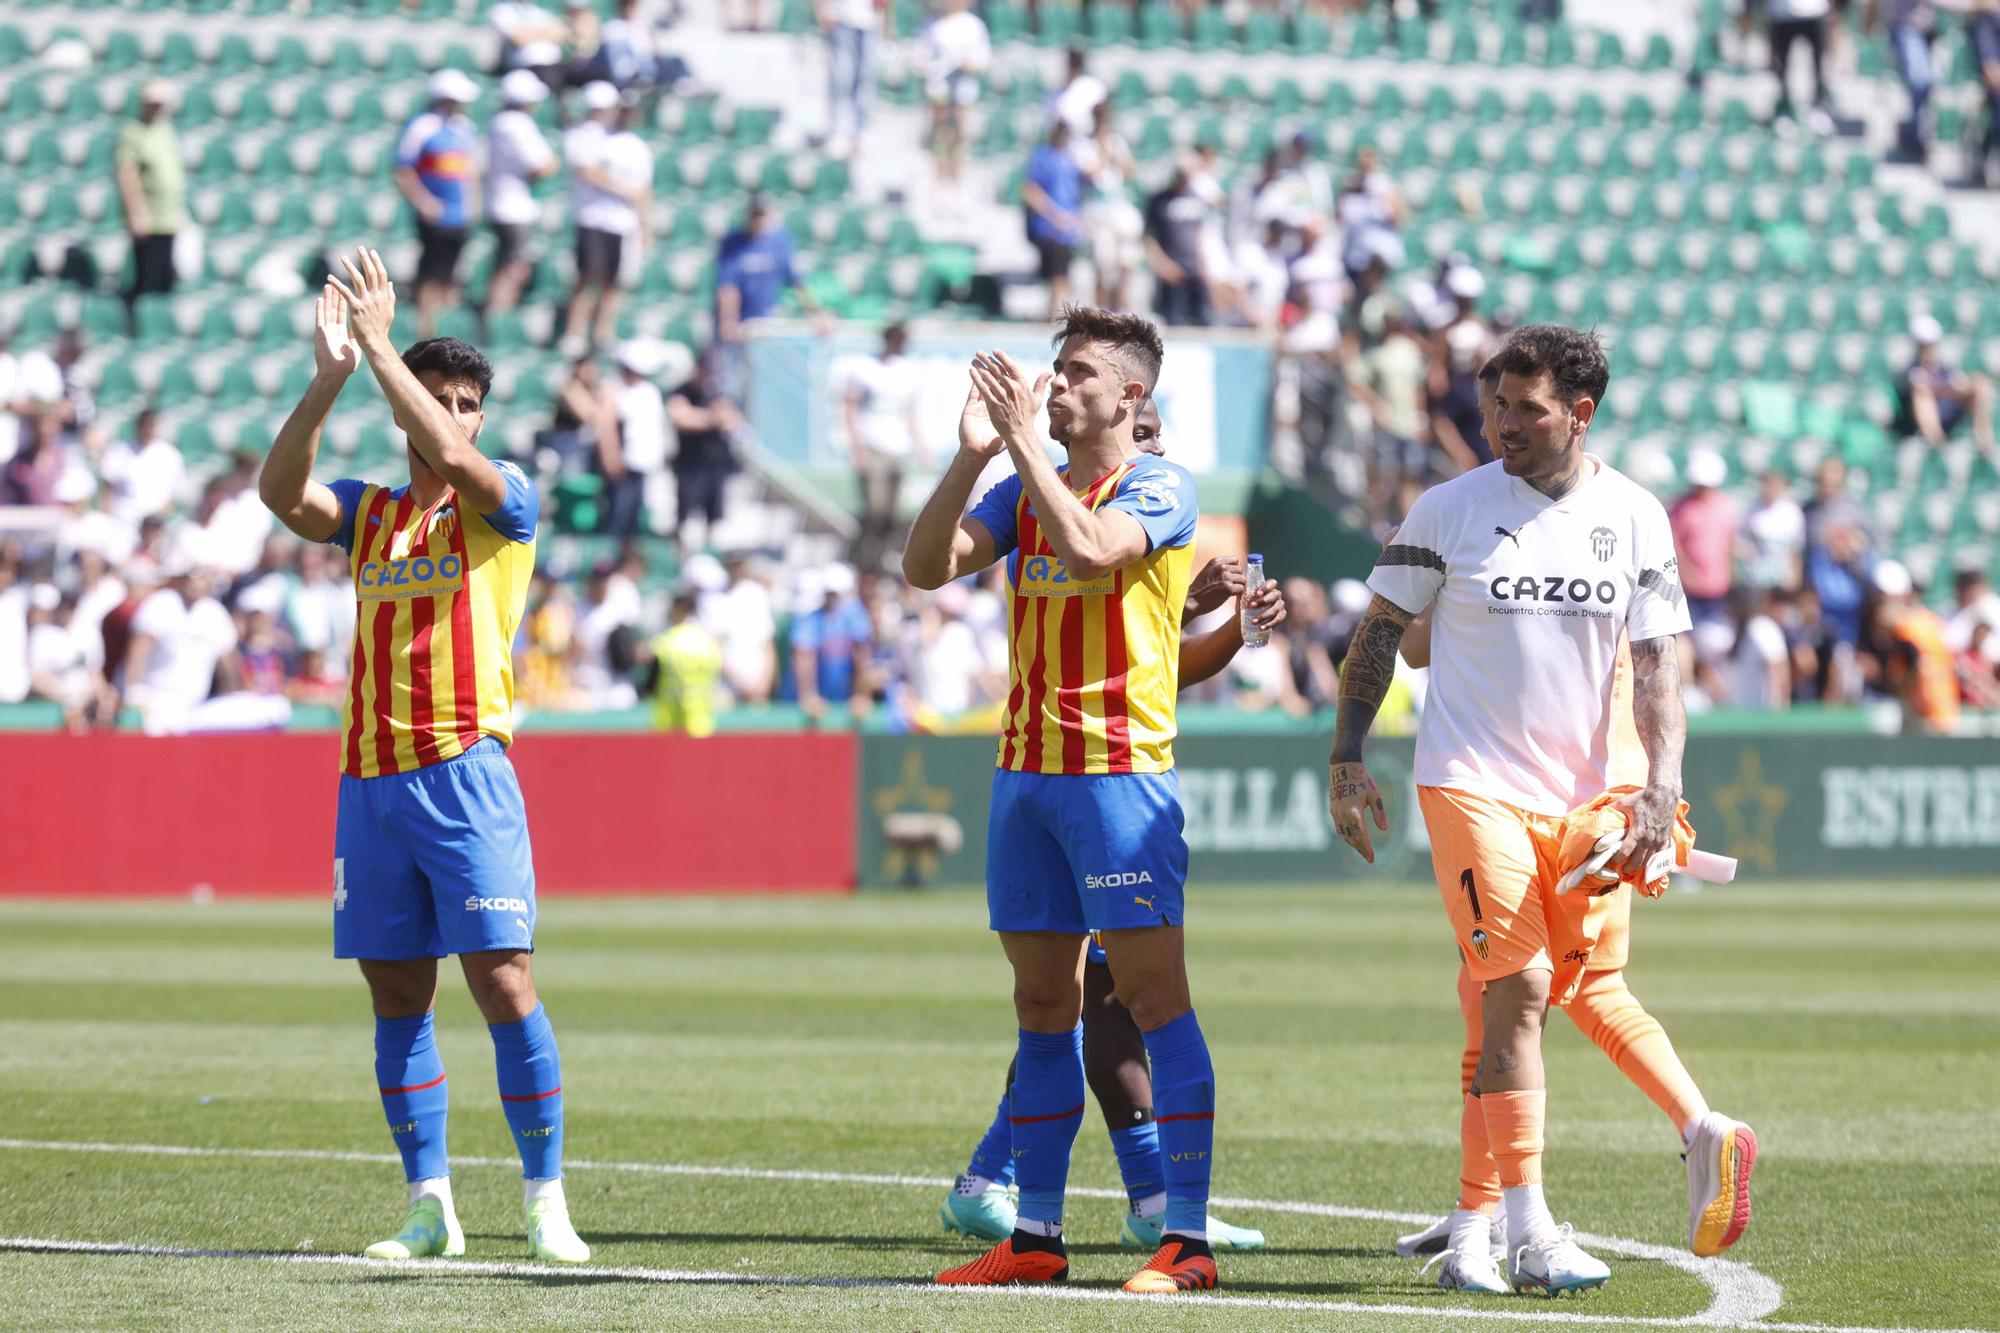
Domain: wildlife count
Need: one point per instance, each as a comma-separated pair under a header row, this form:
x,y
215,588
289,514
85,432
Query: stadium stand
x,y
1758,282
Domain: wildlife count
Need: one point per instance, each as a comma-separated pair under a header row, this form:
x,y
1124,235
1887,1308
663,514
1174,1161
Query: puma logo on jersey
x,y
1146,903
1514,536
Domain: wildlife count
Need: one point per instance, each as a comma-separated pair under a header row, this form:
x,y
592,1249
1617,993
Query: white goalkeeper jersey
x,y
1532,596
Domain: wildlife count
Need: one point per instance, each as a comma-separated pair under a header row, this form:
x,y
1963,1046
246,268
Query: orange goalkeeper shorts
x,y
1496,871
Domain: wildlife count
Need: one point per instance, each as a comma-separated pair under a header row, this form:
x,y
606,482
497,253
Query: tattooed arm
x,y
1662,725
1364,683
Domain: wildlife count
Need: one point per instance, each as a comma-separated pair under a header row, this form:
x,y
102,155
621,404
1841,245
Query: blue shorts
x,y
434,861
1081,852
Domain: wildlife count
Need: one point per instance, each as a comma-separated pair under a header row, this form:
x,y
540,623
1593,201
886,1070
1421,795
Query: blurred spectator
x,y
97,591
605,629
152,184
14,602
754,267
1311,646
58,667
31,476
955,53
878,399
745,15
1258,279
547,647
319,607
1174,220
639,447
14,396
739,613
1832,506
705,421
854,29
1757,673
1935,397
1912,26
531,38
261,660
1075,104
1838,569
611,171
1984,36
686,662
435,170
584,40
1919,669
180,635
57,385
1371,213
1052,195
145,473
88,525
1458,351
950,674
516,157
267,585
1975,607
1388,377
584,417
1794,21
1112,224
1774,535
1318,278
626,56
1815,650
1704,526
830,641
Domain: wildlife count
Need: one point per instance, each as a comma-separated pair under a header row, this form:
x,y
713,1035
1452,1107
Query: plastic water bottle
x,y
1254,635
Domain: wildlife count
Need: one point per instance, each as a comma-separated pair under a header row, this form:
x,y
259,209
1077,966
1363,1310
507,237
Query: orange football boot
x,y
1001,1266
1173,1268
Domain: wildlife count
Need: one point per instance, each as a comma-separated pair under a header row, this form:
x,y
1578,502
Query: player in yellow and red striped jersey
x,y
431,852
1084,832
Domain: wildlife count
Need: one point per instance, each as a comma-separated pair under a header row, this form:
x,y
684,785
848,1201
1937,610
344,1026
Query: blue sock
x,y
1139,1161
410,1076
1184,1098
1047,1109
524,1053
994,1157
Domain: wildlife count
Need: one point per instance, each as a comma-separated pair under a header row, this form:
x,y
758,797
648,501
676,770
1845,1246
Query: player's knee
x,y
1155,1000
1047,1008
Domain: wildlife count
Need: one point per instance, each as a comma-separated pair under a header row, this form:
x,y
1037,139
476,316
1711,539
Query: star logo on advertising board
x,y
914,815
1750,806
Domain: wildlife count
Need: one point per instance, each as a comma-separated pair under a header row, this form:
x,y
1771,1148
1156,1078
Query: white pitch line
x,y
1739,1295
706,1277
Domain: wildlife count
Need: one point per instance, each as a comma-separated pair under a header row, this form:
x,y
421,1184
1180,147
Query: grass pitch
x,y
1857,1028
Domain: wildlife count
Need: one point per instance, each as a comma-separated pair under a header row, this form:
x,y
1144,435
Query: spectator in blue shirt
x,y
1053,196
830,643
437,171
753,268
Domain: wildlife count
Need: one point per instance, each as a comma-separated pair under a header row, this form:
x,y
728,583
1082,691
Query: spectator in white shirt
x,y
320,608
13,629
58,668
638,450
743,621
611,171
879,410
604,641
956,50
516,157
1075,103
146,472
1774,535
180,634
1757,673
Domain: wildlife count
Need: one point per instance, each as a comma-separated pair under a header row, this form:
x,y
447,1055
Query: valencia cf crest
x,y
1603,544
1479,944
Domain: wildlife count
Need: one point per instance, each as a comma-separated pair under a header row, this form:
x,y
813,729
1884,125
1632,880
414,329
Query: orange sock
x,y
1469,991
1606,1011
1514,1122
1478,1177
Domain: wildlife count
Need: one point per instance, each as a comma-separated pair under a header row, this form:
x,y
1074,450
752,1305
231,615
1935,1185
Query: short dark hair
x,y
1489,373
1133,339
1574,359
454,358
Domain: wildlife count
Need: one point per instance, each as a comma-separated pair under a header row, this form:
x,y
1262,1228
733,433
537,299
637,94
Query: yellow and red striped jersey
x,y
1094,667
440,591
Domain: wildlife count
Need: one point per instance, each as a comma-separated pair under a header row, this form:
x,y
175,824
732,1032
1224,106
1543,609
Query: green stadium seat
x,y
154,319
1159,25
233,56
177,386
177,54
1209,30
1263,32
1061,24
1110,24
